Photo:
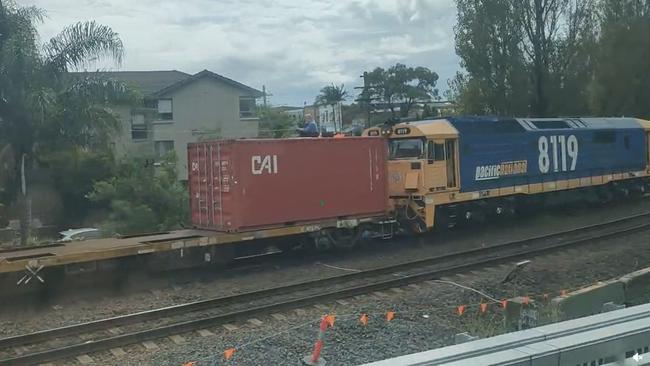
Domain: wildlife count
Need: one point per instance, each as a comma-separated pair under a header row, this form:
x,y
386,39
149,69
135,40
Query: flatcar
x,y
451,170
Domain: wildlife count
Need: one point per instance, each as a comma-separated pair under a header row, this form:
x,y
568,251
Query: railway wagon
x,y
247,196
256,184
456,169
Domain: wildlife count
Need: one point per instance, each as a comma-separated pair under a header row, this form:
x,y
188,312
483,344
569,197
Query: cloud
x,y
294,47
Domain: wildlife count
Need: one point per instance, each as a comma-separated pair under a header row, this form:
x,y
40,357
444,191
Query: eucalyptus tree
x,y
399,85
488,42
620,85
525,57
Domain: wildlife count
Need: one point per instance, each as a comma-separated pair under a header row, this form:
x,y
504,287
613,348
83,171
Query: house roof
x,y
148,82
287,108
210,74
158,83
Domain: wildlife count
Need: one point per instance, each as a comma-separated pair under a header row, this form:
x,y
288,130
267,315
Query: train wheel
x,y
346,238
418,227
622,191
604,194
447,217
506,209
322,243
121,278
315,243
528,206
219,256
53,284
638,189
481,212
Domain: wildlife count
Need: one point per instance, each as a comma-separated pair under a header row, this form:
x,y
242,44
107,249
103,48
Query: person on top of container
x,y
310,129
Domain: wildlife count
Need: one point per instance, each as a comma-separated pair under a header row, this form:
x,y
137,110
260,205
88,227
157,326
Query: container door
x,y
199,184
212,174
206,180
450,149
220,183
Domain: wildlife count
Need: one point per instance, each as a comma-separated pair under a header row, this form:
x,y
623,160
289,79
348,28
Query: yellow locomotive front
x,y
422,169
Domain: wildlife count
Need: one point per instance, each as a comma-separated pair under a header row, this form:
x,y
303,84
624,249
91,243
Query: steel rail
x,y
521,248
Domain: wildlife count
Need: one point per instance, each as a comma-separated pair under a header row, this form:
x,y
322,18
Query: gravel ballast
x,y
426,315
348,343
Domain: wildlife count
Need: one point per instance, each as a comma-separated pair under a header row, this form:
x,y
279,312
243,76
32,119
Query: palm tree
x,y
43,105
333,95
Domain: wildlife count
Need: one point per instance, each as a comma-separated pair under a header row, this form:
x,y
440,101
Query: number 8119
x,y
561,148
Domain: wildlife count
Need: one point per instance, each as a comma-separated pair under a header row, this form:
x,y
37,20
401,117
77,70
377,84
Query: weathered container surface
x,y
242,185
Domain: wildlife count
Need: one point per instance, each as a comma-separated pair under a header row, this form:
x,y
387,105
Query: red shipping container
x,y
243,185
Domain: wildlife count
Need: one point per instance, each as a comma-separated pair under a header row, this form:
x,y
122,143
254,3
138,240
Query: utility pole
x,y
366,99
264,92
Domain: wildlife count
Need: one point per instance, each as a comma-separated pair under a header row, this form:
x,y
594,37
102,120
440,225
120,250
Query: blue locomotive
x,y
451,170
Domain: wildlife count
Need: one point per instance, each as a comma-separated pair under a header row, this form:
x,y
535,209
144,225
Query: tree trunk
x,y
24,206
540,86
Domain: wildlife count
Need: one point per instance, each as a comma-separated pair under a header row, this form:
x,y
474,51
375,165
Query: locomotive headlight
x,y
373,133
386,131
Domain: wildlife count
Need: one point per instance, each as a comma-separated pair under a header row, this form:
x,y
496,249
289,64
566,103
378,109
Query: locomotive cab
x,y
423,163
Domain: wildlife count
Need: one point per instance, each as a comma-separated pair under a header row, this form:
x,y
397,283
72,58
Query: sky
x,y
293,47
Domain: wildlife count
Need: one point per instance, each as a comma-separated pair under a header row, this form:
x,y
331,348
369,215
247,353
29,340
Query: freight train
x,y
334,188
413,176
250,195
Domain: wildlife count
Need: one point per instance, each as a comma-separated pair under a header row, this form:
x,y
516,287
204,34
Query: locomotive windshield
x,y
407,148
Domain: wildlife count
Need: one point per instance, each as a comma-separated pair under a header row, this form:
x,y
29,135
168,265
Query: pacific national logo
x,y
496,171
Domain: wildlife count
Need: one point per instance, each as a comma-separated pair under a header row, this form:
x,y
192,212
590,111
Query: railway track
x,y
59,343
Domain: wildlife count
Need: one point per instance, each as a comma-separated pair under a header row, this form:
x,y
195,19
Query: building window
x,y
246,107
163,148
165,110
151,103
138,127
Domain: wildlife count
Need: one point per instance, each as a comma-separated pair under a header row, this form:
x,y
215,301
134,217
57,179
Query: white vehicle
x,y
79,234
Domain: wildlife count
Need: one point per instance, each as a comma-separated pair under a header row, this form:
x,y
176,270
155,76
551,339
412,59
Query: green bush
x,y
143,197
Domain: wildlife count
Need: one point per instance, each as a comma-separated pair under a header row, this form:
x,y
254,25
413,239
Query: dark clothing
x,y
310,129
